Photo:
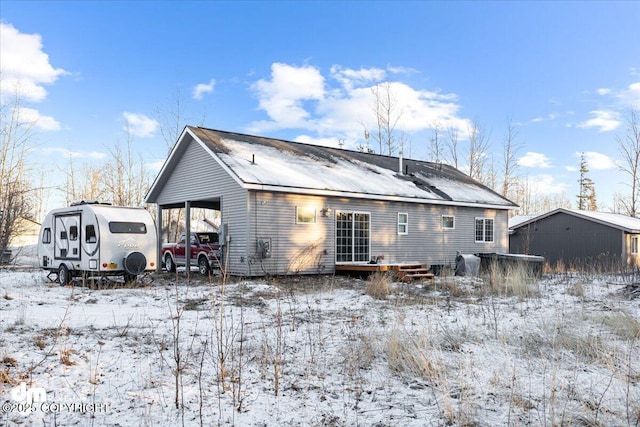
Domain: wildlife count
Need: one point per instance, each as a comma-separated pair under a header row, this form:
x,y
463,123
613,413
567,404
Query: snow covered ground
x,y
320,351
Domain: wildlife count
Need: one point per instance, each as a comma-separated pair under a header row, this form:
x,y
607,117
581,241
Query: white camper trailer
x,y
90,238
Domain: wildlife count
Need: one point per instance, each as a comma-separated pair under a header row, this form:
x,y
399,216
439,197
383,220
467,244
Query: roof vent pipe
x,y
400,163
253,159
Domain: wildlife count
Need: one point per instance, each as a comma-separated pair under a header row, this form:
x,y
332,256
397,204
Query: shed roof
x,y
272,164
622,222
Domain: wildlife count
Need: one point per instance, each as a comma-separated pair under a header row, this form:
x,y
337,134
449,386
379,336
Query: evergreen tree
x,y
587,194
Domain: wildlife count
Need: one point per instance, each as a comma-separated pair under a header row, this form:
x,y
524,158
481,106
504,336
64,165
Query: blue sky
x,y
565,73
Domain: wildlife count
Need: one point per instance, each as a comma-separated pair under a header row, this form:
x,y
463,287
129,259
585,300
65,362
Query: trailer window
x,y
46,235
90,234
73,232
128,227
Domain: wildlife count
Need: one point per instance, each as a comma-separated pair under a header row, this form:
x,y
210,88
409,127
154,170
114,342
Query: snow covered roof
x,y
623,222
277,165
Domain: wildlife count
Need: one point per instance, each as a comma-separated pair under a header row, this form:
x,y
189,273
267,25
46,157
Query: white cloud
x,y
282,97
24,65
64,152
631,95
547,118
342,103
154,166
534,160
603,120
598,161
546,184
203,88
603,91
45,123
140,125
356,78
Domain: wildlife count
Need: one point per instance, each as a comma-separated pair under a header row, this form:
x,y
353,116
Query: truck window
x,y
73,232
90,234
127,227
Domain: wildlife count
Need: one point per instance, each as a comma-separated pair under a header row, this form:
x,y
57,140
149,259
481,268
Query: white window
x,y
634,245
403,223
305,215
448,222
484,230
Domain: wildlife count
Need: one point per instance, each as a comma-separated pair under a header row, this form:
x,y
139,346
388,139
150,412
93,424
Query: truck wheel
x,y
168,264
203,266
130,278
64,276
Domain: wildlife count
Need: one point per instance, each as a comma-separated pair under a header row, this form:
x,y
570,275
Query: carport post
x,y
159,240
187,240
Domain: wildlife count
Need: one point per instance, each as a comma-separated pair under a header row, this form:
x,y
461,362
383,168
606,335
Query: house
x,y
577,238
22,249
287,207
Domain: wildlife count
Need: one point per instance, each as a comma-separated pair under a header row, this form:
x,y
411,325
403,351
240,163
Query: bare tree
x,y
477,151
629,146
511,147
125,174
86,183
436,147
16,189
452,145
387,116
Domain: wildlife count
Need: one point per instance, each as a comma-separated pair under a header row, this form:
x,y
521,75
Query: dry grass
x,y
415,355
511,281
623,325
379,285
65,357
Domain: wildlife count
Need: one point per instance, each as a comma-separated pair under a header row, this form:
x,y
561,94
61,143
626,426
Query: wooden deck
x,y
405,271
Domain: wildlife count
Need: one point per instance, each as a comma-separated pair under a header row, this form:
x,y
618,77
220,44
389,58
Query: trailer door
x,y
67,236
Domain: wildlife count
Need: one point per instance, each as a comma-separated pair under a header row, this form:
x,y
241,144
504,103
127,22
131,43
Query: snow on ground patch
x,y
319,351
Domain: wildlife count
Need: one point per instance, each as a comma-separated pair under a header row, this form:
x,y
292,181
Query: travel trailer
x,y
90,238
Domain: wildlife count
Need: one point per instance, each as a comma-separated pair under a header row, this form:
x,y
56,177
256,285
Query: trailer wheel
x,y
64,276
169,264
203,265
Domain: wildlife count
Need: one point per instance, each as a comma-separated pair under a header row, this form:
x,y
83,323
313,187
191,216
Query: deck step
x,y
411,272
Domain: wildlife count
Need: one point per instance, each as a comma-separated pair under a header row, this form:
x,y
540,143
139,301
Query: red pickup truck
x,y
205,252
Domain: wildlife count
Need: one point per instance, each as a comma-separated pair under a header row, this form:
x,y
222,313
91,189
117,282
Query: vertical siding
x,y
569,239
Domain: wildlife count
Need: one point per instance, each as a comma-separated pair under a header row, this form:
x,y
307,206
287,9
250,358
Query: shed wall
x,y
570,240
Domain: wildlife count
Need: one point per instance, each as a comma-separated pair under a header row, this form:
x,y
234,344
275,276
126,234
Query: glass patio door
x,y
353,236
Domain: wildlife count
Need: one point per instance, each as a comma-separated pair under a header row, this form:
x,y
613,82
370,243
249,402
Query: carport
x,y
213,204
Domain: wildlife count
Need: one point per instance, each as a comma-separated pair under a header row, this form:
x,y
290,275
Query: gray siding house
x,y
577,238
293,208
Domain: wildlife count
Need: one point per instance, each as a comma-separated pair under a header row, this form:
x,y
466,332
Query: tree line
x,y
123,180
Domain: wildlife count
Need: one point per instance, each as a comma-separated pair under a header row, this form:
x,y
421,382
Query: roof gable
x,y
278,165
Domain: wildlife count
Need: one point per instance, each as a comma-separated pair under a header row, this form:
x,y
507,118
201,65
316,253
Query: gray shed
x,y
578,238
289,208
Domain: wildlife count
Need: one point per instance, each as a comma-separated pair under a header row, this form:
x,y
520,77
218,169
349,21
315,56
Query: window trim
x,y
301,209
635,241
485,222
453,221
401,224
352,239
